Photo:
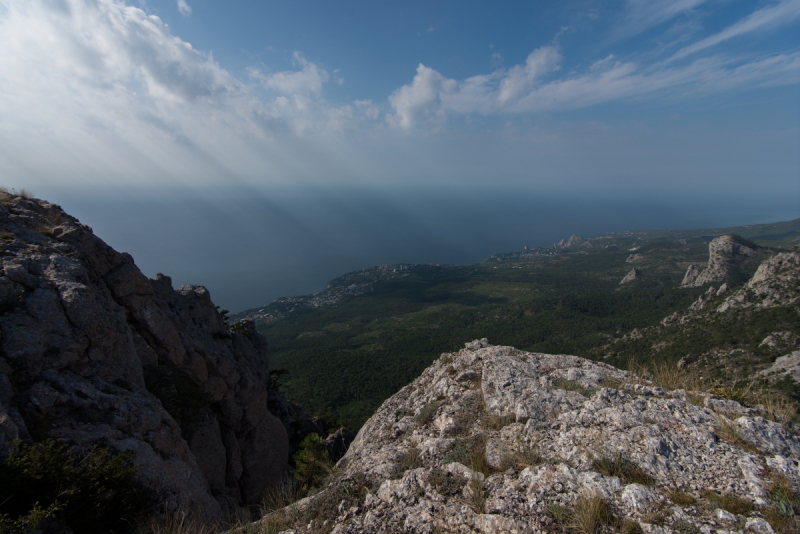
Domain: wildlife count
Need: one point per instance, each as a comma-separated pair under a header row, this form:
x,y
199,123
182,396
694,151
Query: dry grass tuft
x,y
475,497
727,430
619,466
521,458
496,422
590,514
411,459
177,523
681,498
729,502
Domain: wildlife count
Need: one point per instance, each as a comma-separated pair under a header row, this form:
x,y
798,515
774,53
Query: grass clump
x,y
92,492
470,452
590,514
681,498
496,422
783,513
427,413
569,385
476,498
521,458
471,409
446,483
728,431
410,459
729,502
619,466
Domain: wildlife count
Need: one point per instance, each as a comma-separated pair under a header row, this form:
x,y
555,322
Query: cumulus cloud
x,y
532,87
421,99
184,8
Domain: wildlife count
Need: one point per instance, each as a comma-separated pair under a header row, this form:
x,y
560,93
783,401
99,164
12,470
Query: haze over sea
x,y
250,247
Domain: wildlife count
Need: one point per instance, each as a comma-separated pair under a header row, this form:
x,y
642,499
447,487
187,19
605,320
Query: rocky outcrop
x,y
94,352
494,439
573,241
724,255
632,275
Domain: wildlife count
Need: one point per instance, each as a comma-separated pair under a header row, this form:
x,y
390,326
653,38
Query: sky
x,y
126,101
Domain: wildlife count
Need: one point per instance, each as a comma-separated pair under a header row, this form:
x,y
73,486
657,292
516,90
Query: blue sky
x,y
263,147
576,95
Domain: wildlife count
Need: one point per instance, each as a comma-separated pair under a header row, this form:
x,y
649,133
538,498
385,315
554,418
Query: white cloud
x,y
184,8
784,12
102,89
641,15
525,88
421,99
304,82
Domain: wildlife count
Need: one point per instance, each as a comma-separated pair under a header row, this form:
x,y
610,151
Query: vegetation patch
x,y
521,458
570,385
729,502
681,498
312,463
427,413
92,492
497,422
410,459
619,466
446,483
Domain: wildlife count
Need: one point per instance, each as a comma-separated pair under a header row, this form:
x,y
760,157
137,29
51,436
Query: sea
x,y
250,246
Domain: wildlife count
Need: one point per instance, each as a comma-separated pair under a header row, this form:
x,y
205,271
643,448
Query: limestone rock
x,y
528,436
724,253
632,275
100,354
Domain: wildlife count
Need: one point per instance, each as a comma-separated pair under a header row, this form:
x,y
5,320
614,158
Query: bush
x,y
91,492
312,463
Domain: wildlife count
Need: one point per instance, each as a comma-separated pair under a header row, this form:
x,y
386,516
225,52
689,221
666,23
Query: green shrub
x,y
91,492
312,463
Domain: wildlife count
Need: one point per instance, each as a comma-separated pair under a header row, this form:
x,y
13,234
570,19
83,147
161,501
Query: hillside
x,y
371,332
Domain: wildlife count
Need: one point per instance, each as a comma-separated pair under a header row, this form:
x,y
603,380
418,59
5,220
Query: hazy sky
x,y
570,96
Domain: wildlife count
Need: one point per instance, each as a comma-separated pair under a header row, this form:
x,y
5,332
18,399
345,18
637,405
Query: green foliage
x,y
92,492
312,463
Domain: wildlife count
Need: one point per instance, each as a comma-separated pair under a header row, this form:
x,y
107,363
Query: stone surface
x,y
632,275
540,423
724,253
100,354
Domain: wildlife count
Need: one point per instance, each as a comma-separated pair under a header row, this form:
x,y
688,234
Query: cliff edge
x,y
93,352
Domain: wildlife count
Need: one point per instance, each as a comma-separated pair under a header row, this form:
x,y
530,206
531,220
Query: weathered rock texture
x,y
724,255
93,352
534,427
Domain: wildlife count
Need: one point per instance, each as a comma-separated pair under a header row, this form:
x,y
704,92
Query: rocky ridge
x,y
94,352
724,253
494,439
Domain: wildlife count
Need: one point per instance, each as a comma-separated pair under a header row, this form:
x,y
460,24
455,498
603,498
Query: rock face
x,y
93,352
724,254
632,275
494,439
